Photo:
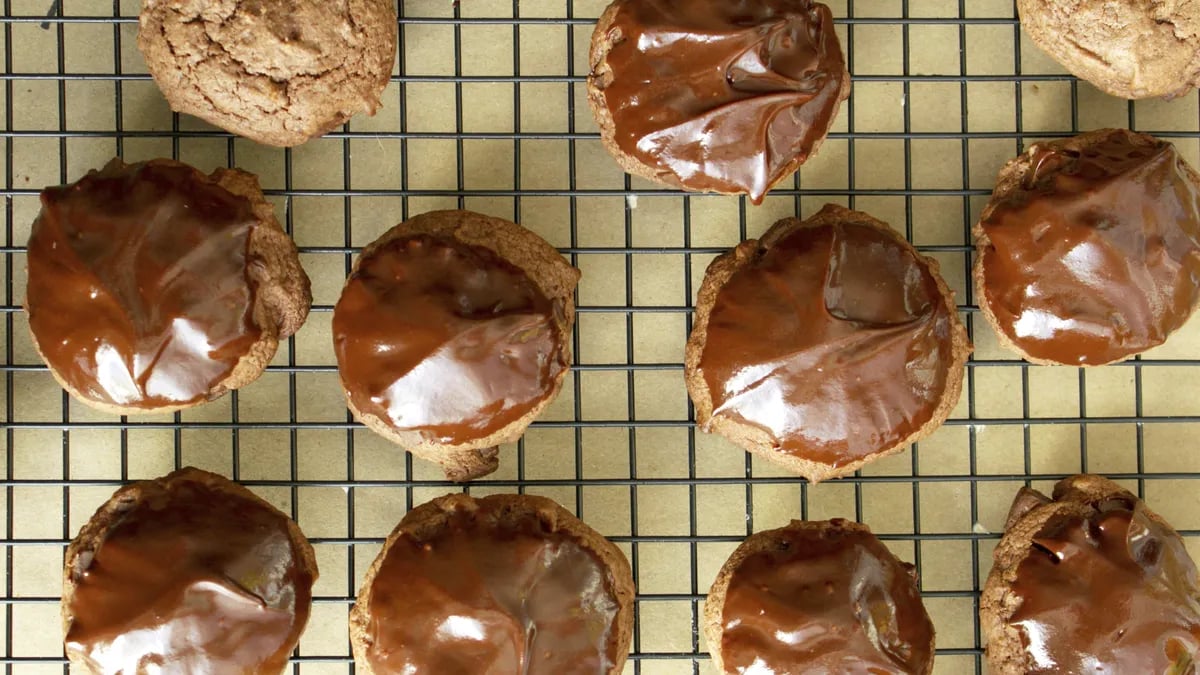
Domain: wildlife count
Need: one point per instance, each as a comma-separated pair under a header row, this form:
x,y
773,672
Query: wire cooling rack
x,y
487,111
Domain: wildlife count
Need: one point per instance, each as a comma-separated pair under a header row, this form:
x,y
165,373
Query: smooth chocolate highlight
x,y
138,292
446,338
721,95
825,602
1091,253
190,579
1113,591
484,594
835,340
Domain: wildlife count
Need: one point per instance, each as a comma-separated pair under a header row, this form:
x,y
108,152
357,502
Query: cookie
x,y
715,95
452,334
819,597
1089,250
1126,48
502,584
1090,580
826,344
234,597
279,72
153,287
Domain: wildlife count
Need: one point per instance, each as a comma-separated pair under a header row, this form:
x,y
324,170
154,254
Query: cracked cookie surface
x,y
1127,48
279,72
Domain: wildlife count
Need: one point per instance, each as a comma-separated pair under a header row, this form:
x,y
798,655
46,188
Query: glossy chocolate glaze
x,y
191,580
446,338
1113,592
1094,255
138,293
723,95
824,602
835,340
489,597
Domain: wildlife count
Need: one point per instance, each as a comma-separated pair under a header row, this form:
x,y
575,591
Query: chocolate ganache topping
x,y
1090,253
825,601
492,595
446,338
138,293
1111,592
191,579
835,339
719,95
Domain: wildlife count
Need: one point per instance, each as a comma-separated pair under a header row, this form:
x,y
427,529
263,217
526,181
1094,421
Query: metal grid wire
x,y
945,91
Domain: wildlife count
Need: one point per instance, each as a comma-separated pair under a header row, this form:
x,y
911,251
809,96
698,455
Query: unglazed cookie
x,y
153,287
502,584
820,598
452,334
1127,48
279,72
1089,250
189,573
716,95
826,344
1090,581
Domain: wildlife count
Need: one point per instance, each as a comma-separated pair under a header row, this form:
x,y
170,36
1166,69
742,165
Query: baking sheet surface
x,y
490,114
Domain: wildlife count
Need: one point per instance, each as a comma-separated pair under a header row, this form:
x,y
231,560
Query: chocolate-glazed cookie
x,y
820,598
826,344
716,95
1090,581
152,287
1089,250
503,584
452,334
189,573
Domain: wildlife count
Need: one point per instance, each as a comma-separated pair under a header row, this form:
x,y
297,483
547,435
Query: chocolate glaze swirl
x,y
1089,251
445,338
139,294
1110,592
825,601
719,95
834,338
193,578
492,595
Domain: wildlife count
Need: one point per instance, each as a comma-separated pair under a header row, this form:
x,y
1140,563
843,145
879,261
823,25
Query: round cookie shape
x,y
1090,580
279,72
716,95
502,584
152,287
1127,48
1089,250
828,343
453,333
821,598
234,597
